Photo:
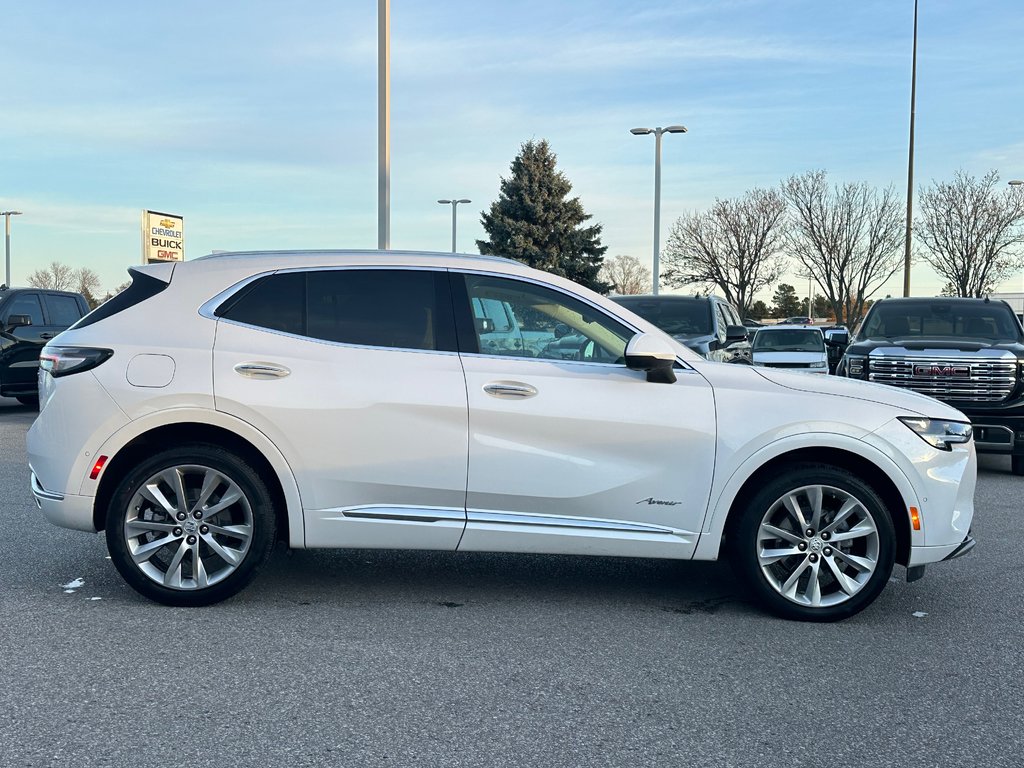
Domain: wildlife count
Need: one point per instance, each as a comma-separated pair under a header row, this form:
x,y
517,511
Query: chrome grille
x,y
948,378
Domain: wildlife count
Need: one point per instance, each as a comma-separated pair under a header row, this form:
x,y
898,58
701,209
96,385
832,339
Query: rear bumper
x,y
64,510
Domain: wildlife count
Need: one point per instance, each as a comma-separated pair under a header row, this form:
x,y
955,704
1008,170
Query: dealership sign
x,y
163,237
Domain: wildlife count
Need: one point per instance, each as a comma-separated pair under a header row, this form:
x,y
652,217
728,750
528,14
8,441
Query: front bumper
x,y
65,510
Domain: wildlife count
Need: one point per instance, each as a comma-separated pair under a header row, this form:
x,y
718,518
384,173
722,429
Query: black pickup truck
x,y
966,352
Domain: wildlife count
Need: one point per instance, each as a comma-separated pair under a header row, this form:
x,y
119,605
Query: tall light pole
x,y
910,165
657,186
383,124
454,204
7,241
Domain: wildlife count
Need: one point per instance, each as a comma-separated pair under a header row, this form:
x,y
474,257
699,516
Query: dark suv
x,y
966,352
708,325
28,318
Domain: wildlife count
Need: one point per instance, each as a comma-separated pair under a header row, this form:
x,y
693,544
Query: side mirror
x,y
18,321
735,334
484,325
837,338
651,353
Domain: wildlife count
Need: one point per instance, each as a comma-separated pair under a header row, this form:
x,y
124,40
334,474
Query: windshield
x,y
993,321
789,340
691,318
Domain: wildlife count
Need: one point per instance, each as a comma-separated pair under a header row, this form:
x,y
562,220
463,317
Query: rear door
x,y
354,375
19,358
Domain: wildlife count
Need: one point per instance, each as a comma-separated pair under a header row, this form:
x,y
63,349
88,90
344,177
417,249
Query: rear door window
x,y
64,311
392,308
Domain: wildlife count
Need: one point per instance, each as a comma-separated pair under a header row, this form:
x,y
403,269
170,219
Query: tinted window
x,y
788,340
405,309
276,302
380,308
143,286
520,319
63,310
686,317
941,319
27,304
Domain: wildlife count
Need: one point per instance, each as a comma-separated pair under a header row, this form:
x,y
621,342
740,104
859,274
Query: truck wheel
x,y
190,526
814,544
1017,465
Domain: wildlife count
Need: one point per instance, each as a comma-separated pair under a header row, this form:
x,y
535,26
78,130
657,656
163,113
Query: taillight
x,y
63,361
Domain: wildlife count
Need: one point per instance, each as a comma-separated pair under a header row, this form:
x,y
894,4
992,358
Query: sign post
x,y
163,237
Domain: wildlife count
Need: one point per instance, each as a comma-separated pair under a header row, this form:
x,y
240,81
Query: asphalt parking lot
x,y
345,658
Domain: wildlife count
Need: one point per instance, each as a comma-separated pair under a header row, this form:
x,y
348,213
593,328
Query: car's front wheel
x,y
190,526
816,544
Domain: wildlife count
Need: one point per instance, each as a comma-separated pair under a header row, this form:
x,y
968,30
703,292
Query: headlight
x,y
854,366
818,365
939,433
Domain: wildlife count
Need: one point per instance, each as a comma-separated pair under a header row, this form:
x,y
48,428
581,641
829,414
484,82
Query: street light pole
x,y
7,241
454,204
657,188
383,124
910,165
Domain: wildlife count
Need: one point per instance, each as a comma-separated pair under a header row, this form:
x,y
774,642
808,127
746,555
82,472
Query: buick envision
x,y
345,399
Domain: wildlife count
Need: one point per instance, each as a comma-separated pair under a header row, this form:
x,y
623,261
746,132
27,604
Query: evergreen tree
x,y
535,222
786,302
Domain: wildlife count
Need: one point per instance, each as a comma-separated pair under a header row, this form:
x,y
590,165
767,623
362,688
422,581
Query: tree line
x,y
848,239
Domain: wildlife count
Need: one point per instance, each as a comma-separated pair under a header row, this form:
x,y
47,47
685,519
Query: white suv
x,y
344,399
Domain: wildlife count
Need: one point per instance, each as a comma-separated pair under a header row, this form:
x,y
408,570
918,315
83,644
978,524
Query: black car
x,y
29,317
708,325
966,352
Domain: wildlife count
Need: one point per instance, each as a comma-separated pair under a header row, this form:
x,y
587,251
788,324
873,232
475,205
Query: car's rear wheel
x,y
815,544
190,526
1017,465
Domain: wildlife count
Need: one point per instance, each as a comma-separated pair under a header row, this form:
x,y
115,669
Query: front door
x,y
570,451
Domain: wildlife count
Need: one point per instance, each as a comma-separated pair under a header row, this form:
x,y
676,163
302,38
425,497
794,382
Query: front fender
x,y
724,494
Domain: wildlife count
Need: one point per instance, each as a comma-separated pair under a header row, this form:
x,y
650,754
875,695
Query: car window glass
x,y
63,310
679,317
542,323
276,302
403,309
941,319
27,304
723,321
788,340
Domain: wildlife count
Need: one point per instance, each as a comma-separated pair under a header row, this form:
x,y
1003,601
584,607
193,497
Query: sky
x,y
257,121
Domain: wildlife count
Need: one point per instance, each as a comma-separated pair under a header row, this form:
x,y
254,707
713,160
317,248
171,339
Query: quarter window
x,y
400,309
517,319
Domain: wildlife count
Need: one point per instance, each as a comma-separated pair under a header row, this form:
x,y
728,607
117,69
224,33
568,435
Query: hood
x,y
694,340
839,386
936,344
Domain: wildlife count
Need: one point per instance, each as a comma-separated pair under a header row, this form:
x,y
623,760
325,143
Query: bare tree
x,y
969,230
626,275
734,247
849,239
57,277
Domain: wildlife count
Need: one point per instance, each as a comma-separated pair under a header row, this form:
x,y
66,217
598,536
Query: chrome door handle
x,y
509,390
261,370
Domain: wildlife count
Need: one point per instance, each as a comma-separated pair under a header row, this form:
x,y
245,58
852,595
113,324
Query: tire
x,y
1017,465
32,401
829,575
212,552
